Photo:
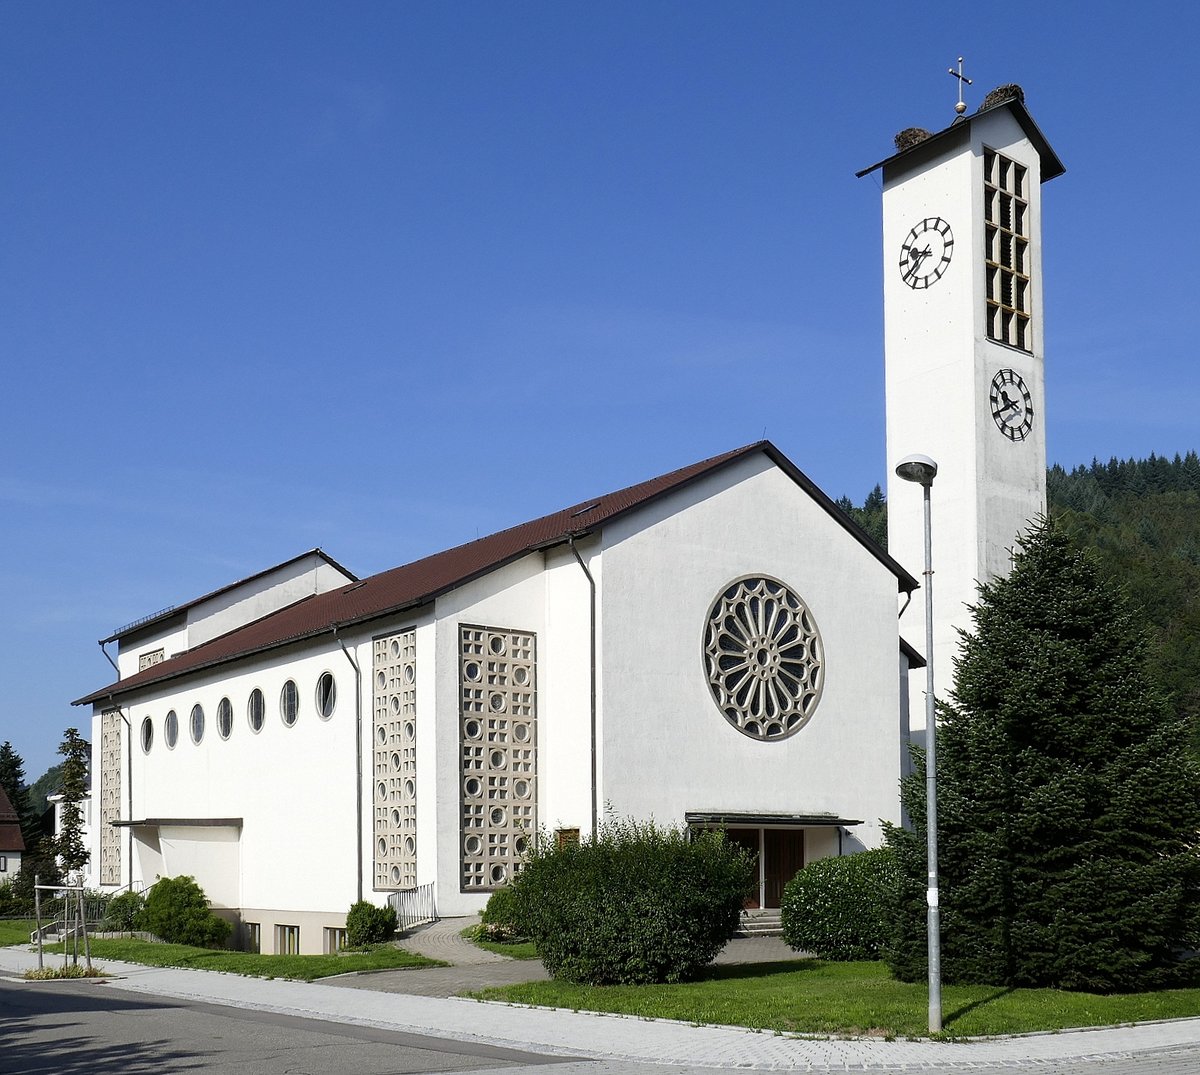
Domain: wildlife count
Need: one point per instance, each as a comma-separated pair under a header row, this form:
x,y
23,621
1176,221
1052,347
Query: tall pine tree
x,y
1068,805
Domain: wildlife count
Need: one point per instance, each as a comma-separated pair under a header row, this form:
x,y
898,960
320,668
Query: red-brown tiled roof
x,y
421,581
10,825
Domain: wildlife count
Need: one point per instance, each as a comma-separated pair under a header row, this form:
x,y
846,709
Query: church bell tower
x,y
963,337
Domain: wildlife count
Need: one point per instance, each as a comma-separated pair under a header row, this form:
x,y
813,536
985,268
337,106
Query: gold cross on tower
x,y
960,108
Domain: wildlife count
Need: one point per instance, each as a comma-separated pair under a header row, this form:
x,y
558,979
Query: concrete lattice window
x,y
763,658
256,710
110,797
394,730
289,703
224,718
498,743
171,729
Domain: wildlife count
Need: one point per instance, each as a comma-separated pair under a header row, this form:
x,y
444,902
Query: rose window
x,y
763,658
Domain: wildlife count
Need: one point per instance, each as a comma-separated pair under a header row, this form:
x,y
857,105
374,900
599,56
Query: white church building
x,y
719,646
715,646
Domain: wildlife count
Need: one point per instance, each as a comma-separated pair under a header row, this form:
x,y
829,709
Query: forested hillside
x,y
1142,517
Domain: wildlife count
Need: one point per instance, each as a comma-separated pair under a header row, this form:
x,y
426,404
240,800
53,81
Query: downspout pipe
x,y
592,654
110,661
358,764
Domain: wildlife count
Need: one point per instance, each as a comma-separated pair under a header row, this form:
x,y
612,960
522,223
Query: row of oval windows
x,y
256,713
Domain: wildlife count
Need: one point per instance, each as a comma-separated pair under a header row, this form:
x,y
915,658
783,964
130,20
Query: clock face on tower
x,y
1012,405
925,253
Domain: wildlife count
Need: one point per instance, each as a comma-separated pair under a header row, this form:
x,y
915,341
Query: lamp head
x,y
917,468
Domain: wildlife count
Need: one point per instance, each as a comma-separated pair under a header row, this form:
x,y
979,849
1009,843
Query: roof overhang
x,y
732,819
1051,166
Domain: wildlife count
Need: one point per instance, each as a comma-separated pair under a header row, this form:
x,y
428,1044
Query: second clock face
x,y
1012,405
926,252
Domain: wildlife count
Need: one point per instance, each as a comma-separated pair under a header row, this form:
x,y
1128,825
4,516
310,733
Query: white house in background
x,y
717,646
12,843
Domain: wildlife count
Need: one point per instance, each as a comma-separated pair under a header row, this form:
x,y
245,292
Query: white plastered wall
x,y
667,748
292,787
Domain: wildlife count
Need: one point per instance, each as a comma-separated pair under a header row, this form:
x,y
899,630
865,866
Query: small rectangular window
x,y
252,936
335,940
287,940
3,864
566,837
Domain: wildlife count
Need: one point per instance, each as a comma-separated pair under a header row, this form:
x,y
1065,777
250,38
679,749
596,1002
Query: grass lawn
x,y
15,931
301,968
812,997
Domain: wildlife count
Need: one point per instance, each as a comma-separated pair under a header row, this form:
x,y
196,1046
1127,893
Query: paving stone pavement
x,y
474,968
614,1044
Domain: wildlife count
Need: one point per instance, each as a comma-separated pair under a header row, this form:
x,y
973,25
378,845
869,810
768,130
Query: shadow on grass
x,y
724,972
958,1013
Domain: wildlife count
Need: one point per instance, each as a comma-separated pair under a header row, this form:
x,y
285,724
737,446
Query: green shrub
x,y
638,904
368,924
39,864
500,920
836,908
122,913
176,910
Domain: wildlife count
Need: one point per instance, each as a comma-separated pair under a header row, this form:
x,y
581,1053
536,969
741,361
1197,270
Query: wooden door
x,y
783,855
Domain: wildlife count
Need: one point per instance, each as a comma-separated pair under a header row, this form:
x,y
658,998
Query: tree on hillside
x,y
872,516
12,780
49,783
69,843
1068,805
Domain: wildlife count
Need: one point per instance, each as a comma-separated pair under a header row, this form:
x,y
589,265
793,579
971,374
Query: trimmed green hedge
x,y
176,910
836,908
639,904
500,920
368,924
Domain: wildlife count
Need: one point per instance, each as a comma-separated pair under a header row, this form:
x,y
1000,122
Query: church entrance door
x,y
749,839
783,855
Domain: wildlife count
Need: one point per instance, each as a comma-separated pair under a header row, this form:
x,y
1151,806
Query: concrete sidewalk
x,y
634,1040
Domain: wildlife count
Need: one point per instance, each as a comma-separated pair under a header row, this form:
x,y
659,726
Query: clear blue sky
x,y
383,277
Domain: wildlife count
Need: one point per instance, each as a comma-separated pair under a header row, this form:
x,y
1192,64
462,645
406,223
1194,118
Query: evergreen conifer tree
x,y
1068,805
69,844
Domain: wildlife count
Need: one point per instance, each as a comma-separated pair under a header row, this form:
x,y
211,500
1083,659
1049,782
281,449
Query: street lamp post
x,y
922,470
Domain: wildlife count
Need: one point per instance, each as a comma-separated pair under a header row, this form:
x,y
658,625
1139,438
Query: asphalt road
x,y
84,1028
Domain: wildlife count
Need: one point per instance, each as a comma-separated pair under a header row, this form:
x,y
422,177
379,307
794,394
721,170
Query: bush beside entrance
x,y
639,904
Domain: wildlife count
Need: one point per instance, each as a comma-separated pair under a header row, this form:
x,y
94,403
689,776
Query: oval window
x,y
224,718
289,703
256,709
197,723
326,695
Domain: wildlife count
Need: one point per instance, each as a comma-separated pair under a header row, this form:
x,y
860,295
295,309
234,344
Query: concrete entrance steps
x,y
761,922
